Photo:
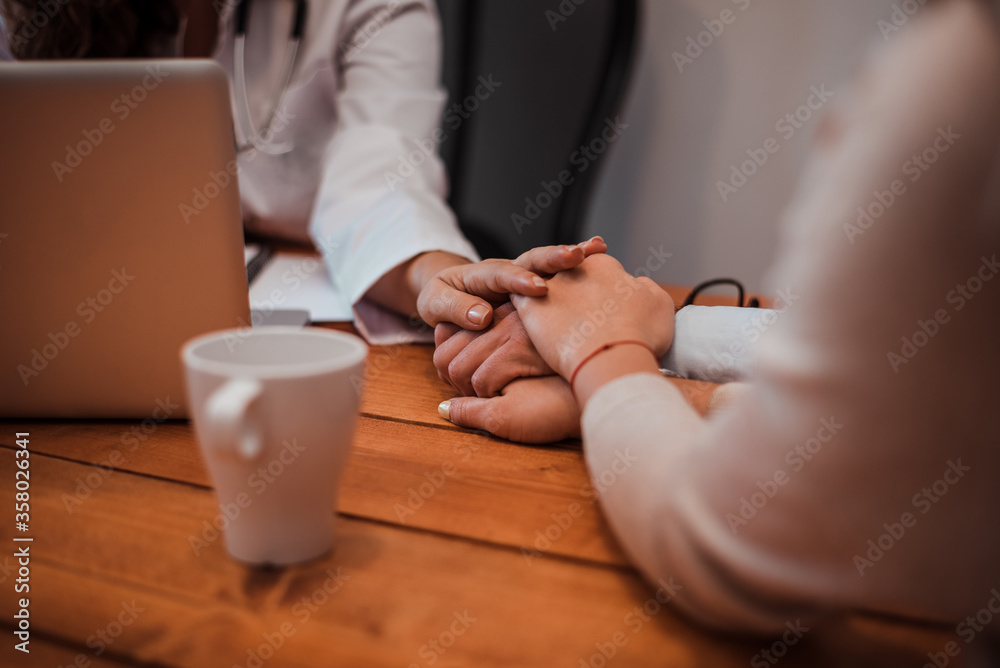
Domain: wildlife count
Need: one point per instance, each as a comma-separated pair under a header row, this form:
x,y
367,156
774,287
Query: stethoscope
x,y
260,140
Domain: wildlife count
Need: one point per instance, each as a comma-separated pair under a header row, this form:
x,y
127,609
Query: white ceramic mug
x,y
274,410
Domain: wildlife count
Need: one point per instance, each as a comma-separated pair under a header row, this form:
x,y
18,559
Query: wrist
x,y
421,269
622,359
399,288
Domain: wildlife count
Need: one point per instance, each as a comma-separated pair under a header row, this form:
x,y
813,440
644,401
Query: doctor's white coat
x,y
351,163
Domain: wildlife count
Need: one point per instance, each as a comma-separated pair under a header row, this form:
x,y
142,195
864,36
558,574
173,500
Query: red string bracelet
x,y
606,346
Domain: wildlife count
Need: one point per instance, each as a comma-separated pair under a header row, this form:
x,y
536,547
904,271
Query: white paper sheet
x,y
291,281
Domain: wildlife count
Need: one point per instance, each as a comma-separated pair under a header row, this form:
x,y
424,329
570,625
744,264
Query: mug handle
x,y
231,425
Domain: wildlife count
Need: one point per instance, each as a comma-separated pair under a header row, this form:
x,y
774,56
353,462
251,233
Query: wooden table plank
x,y
456,483
52,654
402,384
123,564
500,492
131,540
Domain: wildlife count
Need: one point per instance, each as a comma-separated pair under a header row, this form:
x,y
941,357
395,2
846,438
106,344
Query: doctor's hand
x,y
529,410
596,304
464,294
482,363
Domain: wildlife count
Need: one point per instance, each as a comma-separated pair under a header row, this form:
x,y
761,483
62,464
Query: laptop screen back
x,y
120,233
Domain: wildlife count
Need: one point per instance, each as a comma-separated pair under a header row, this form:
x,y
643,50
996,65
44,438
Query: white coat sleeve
x,y
381,199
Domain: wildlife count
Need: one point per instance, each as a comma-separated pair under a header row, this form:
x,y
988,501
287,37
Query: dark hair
x,y
50,29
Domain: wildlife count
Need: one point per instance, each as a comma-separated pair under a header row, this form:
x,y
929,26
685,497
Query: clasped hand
x,y
506,371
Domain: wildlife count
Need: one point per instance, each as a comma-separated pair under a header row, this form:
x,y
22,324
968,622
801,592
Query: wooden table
x,y
455,549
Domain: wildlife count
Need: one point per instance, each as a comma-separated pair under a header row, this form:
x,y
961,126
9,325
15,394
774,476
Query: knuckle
x,y
604,261
482,383
441,362
457,412
504,310
537,368
491,265
492,419
454,369
441,335
459,379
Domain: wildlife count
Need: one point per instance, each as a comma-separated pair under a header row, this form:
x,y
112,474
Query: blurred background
x,y
698,83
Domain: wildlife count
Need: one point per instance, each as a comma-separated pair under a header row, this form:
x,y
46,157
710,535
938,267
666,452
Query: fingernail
x,y
598,238
572,248
477,314
538,281
444,409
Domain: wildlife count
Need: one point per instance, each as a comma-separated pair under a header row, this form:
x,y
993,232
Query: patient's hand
x,y
482,363
592,306
463,293
481,360
529,410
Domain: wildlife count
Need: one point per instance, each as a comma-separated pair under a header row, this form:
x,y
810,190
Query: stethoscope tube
x,y
254,139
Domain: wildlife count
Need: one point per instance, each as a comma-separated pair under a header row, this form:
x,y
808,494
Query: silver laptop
x,y
120,233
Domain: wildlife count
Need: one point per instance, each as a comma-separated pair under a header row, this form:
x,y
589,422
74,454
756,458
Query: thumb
x,y
475,413
446,304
